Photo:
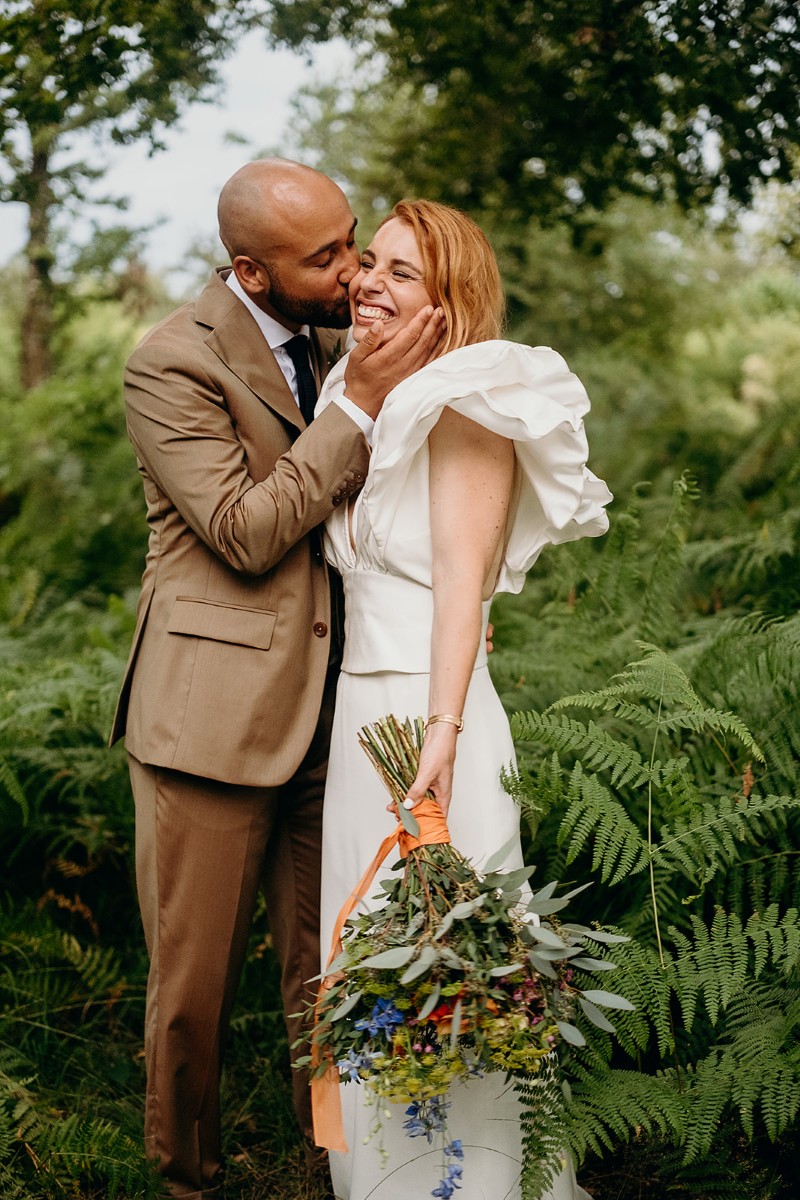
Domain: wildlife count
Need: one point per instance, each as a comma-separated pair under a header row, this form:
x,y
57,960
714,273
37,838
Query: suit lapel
x,y
238,342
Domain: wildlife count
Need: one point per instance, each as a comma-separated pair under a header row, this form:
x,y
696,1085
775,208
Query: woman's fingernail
x,y
408,802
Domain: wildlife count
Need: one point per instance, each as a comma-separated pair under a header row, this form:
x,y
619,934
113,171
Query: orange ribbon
x,y
326,1102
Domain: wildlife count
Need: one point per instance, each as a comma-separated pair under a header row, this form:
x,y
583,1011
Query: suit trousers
x,y
203,849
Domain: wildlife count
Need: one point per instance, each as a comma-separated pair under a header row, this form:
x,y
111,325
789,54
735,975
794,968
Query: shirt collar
x,y
275,334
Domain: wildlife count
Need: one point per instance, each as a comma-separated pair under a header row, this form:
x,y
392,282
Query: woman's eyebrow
x,y
395,262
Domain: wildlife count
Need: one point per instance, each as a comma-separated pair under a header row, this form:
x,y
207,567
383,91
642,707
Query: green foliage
x,y
668,775
68,485
61,1001
662,794
113,67
550,108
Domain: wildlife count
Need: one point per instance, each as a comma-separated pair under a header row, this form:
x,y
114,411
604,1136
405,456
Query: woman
x,y
478,462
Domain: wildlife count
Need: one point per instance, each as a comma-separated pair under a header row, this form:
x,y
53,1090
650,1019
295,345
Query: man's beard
x,y
321,314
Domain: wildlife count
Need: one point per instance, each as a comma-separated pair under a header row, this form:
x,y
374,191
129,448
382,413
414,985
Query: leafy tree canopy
x,y
116,66
66,66
551,106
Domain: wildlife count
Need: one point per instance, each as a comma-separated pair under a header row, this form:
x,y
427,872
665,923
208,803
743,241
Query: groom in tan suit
x,y
228,693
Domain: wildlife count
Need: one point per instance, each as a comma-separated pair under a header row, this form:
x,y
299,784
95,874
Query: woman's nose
x,y
373,281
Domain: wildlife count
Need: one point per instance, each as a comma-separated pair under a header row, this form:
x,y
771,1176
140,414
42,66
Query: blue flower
x,y
354,1064
426,1117
454,1150
444,1190
384,1016
415,1126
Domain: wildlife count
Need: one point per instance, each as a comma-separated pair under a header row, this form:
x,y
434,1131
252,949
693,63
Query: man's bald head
x,y
265,202
290,233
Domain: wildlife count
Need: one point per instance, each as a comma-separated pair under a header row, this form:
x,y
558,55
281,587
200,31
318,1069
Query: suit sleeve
x,y
186,440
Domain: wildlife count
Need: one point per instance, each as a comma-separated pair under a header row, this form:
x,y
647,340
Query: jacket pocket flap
x,y
223,622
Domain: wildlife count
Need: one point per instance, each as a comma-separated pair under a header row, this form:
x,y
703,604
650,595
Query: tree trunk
x,y
38,318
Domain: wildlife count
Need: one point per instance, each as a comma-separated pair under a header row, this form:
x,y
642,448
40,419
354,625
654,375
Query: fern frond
x,y
542,1123
662,586
676,705
716,961
702,848
13,788
640,978
761,1053
536,792
618,848
612,1107
600,749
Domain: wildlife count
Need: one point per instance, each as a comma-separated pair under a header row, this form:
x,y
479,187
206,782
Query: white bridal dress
x,y
382,547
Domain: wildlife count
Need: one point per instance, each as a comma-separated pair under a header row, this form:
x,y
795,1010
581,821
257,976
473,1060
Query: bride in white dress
x,y
478,462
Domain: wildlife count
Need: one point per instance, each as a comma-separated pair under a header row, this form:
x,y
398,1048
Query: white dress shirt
x,y
276,337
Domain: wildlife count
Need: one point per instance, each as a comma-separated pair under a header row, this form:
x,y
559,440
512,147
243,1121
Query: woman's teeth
x,y
370,313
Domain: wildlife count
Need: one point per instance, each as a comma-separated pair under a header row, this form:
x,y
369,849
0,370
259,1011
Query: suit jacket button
x,y
321,629
336,500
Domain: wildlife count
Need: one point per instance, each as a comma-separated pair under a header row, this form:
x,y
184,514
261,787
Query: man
x,y
227,698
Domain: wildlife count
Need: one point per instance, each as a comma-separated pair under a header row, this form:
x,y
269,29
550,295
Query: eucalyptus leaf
x,y
576,891
508,880
542,965
544,893
499,972
570,1034
408,820
466,908
545,908
445,925
593,964
345,1007
595,1016
455,1026
547,936
496,860
398,956
556,953
609,1000
430,1003
427,957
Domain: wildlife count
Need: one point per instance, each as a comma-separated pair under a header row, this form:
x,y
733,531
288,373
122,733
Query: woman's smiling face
x,y
390,284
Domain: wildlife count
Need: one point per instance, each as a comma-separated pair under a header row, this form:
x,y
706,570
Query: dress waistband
x,y
388,622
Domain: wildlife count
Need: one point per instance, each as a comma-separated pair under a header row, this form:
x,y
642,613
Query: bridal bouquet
x,y
453,975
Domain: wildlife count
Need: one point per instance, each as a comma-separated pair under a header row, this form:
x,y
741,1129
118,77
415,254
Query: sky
x,y
179,186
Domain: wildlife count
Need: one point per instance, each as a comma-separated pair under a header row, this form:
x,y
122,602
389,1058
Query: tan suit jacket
x,y
233,630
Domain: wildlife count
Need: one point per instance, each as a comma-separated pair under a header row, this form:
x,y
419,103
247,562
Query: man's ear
x,y
252,276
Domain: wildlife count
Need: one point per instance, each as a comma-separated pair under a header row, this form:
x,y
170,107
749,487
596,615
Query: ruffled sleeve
x,y
524,393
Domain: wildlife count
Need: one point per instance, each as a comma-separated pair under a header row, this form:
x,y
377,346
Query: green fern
x,y
542,1131
713,837
659,781
610,1106
658,601
594,815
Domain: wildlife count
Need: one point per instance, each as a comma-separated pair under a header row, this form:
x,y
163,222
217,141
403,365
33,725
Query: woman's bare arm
x,y
471,477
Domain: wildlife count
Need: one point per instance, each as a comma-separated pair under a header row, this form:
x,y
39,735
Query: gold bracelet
x,y
449,718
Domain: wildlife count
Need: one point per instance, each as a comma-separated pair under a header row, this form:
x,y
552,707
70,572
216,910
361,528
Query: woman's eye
x,y
401,275
365,266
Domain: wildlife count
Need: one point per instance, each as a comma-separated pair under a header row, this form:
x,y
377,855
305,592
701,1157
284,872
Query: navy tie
x,y
297,349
